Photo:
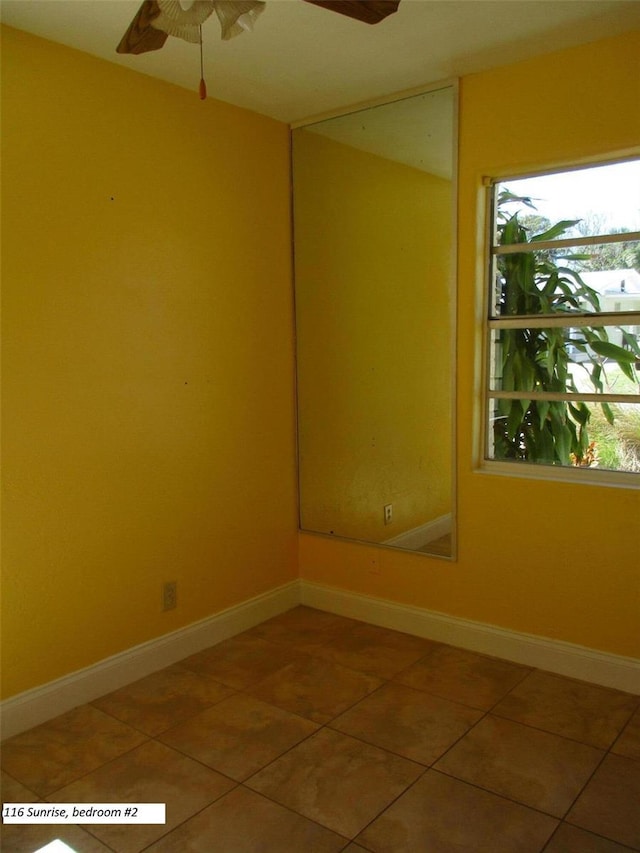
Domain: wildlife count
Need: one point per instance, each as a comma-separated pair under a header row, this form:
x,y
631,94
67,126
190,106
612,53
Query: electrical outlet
x,y
170,595
388,514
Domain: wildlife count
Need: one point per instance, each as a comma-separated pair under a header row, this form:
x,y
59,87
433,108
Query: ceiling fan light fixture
x,y
183,23
238,16
155,20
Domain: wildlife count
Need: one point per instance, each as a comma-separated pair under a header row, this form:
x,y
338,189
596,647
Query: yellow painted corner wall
x,y
372,249
148,358
556,560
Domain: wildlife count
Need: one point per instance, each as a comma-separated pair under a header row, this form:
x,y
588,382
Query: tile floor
x,y
312,732
441,547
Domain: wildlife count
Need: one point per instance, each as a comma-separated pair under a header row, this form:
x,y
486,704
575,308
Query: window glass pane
x,y
552,313
606,199
579,359
567,280
609,267
576,435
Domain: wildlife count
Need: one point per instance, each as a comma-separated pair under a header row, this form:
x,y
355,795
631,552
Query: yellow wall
x,y
557,560
373,250
148,411
148,362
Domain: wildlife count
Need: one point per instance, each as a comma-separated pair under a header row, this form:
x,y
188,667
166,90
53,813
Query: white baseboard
x,y
420,536
33,707
608,670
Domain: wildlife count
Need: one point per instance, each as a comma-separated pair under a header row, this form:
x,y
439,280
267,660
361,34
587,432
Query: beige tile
x,y
163,699
240,661
303,628
574,709
314,688
570,839
610,804
408,722
12,791
442,815
245,822
462,676
57,752
629,741
152,773
376,651
239,736
532,767
27,838
336,780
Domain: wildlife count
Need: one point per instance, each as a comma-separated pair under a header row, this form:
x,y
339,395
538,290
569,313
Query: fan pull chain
x,y
203,85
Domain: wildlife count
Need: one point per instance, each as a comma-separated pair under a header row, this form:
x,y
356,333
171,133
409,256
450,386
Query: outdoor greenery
x,y
602,256
542,359
617,444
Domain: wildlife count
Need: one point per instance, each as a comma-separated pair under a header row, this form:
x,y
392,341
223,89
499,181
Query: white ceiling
x,y
416,131
301,60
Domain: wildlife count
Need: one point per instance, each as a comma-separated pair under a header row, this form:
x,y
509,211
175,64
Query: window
x,y
563,323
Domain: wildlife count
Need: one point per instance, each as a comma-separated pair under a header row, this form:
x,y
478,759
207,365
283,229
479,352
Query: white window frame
x,y
519,468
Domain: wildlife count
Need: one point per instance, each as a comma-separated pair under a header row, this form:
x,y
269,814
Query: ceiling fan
x,y
158,19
